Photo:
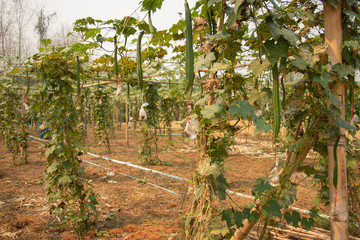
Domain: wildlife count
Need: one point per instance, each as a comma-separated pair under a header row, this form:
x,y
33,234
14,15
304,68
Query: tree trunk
x,y
338,194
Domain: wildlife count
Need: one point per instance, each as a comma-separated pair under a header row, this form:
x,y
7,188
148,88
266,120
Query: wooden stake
x,y
127,121
339,224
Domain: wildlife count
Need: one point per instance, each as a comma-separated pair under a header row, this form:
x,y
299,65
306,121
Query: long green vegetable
x,y
189,54
151,26
116,69
77,75
276,101
27,82
138,62
335,178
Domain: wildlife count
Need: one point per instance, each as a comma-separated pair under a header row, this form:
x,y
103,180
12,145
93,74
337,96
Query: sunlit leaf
x,y
209,111
257,66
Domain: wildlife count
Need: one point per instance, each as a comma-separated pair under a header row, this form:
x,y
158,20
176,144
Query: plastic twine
x,y
276,160
187,106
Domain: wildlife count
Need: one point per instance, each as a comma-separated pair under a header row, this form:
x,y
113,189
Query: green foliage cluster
x,y
13,127
103,117
69,192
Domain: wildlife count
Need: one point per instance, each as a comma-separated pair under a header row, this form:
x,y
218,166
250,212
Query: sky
x,y
67,11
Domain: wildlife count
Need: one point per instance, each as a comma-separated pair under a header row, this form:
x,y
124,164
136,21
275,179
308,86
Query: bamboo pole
x,y
339,224
127,116
134,79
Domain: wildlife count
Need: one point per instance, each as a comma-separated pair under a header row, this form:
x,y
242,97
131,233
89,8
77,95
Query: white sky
x,y
69,10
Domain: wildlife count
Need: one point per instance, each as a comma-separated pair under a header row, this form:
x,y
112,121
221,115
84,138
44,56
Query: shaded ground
x,y
129,209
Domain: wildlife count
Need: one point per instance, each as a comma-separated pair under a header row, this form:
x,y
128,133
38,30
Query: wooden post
x,y
127,121
339,215
116,109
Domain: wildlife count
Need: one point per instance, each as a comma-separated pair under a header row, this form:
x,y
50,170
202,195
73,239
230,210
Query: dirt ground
x,y
129,208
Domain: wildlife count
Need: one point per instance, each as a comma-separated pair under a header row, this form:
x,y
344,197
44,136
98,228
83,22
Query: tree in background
x,y
42,23
22,15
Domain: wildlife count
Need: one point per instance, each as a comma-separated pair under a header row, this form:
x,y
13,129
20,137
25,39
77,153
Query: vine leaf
x,y
64,180
209,111
307,223
242,109
276,50
228,217
272,209
323,79
288,196
256,67
276,30
260,186
53,167
293,217
260,125
344,124
343,70
260,97
204,60
152,5
219,66
208,168
333,98
299,62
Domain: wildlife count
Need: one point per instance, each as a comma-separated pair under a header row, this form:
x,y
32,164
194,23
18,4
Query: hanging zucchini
x,y
138,61
116,69
77,75
189,54
276,101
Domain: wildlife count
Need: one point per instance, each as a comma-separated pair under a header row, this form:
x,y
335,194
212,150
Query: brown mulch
x,y
128,208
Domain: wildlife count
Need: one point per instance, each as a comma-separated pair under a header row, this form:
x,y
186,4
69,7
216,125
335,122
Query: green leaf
x,y
237,5
49,151
272,209
260,97
293,217
64,180
351,12
276,30
274,51
220,36
209,111
91,33
344,124
260,186
333,98
261,125
208,168
242,109
299,62
333,3
238,217
323,79
257,67
53,167
227,216
66,165
220,66
152,5
351,43
220,231
204,60
288,196
307,223
344,70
